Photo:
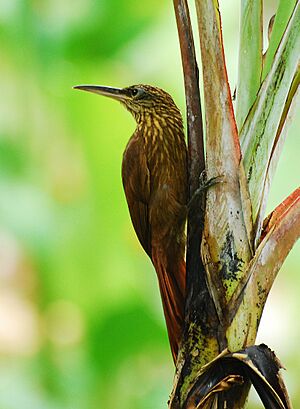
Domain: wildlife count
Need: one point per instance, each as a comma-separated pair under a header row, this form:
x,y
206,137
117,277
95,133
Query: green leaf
x,y
250,58
282,17
258,135
285,121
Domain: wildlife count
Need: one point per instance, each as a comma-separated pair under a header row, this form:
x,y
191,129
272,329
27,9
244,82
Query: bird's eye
x,y
138,93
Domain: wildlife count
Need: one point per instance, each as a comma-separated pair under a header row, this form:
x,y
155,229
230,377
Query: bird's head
x,y
139,99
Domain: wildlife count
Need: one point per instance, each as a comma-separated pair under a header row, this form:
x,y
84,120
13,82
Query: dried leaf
x,y
226,246
279,212
283,230
256,364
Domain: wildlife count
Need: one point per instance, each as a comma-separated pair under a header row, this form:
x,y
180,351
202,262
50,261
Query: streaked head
x,y
138,99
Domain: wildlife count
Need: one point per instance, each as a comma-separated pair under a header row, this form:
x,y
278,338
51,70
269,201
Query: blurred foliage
x,y
81,324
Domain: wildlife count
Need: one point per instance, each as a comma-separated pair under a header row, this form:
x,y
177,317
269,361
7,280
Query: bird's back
x,y
155,184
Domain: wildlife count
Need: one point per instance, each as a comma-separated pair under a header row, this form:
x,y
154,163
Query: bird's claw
x,y
204,184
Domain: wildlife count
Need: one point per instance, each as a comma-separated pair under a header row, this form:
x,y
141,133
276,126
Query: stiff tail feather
x,y
171,280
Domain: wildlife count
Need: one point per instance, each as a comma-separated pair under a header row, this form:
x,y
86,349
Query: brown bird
x,y
154,173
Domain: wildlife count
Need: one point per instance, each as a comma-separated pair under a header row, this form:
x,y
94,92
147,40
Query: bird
x,y
155,181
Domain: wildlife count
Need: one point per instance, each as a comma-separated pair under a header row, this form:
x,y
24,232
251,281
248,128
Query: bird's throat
x,y
161,134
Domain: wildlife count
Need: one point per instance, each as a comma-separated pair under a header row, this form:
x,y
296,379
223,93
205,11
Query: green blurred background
x,y
81,324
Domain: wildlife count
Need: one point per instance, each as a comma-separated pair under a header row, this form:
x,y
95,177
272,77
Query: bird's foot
x,y
204,184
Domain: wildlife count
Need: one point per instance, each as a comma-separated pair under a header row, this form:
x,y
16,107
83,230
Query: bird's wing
x,y
136,182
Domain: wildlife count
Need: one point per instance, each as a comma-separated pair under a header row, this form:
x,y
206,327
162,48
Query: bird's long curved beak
x,y
115,93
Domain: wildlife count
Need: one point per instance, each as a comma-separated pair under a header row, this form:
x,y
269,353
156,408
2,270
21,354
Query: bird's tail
x,y
171,278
